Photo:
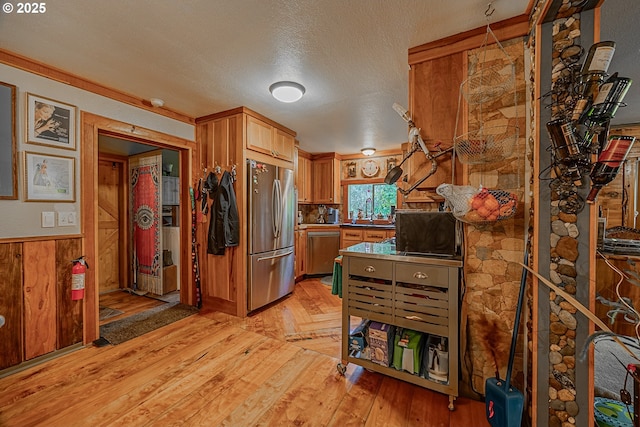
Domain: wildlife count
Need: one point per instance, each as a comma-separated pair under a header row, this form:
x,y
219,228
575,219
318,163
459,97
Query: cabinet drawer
x,y
352,234
374,268
420,274
374,235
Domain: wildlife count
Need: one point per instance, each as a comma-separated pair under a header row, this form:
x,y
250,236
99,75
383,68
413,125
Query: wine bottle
x,y
610,95
565,148
609,161
598,58
588,91
592,74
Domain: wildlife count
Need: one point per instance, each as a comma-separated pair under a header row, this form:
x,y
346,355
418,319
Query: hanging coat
x,y
224,227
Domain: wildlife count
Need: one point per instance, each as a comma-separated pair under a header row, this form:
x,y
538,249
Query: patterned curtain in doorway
x,y
145,178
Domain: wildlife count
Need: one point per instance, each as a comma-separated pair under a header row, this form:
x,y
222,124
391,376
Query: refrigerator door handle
x,y
264,258
280,203
275,207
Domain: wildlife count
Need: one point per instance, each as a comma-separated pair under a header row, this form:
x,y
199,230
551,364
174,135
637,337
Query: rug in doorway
x,y
108,312
139,324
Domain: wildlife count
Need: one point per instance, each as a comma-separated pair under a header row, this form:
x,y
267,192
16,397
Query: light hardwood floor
x,y
276,368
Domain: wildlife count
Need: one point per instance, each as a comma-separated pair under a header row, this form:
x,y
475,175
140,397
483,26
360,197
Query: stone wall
x,y
494,251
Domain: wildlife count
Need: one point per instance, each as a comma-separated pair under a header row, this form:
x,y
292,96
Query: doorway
x,y
136,269
94,127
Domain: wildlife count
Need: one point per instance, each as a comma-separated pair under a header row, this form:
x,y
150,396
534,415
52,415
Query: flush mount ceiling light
x,y
156,102
287,91
368,151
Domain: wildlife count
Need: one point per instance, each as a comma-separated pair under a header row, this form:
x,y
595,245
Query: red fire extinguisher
x,y
77,278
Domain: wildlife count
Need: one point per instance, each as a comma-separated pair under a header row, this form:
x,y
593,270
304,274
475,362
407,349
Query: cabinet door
x,y
301,253
259,136
283,144
434,90
326,183
303,180
11,304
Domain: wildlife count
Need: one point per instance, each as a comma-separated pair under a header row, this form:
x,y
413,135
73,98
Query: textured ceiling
x,y
206,56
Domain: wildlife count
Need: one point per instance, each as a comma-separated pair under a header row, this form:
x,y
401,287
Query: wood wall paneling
x,y
224,276
11,304
69,312
39,298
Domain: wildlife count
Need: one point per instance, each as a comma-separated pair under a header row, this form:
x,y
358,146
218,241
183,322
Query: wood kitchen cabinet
x,y
301,253
434,87
230,138
350,237
325,176
303,176
267,139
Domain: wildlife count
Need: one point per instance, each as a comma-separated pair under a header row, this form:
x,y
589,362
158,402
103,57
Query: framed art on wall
x,y
50,122
49,178
8,162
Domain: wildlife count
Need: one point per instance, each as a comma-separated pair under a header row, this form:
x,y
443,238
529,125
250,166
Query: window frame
x,y
345,193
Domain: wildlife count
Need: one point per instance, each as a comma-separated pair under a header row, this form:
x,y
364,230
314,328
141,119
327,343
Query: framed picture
x,y
49,178
8,156
50,122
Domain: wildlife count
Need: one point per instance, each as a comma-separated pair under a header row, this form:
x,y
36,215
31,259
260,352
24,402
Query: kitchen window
x,y
371,199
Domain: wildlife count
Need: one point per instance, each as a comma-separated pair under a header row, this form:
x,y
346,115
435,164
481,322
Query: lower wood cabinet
x,y
350,236
300,253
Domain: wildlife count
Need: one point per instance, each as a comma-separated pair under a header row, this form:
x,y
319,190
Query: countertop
x,y
347,225
388,251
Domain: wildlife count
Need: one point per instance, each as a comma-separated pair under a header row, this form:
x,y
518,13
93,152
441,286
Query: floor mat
x,y
133,326
327,280
107,313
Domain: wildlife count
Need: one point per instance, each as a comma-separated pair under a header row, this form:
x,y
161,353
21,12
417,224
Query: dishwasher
x,y
322,248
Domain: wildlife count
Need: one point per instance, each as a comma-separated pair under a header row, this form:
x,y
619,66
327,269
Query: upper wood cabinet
x,y
433,92
267,139
326,179
303,176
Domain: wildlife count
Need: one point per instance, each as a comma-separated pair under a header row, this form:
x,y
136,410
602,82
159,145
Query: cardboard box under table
x,y
381,343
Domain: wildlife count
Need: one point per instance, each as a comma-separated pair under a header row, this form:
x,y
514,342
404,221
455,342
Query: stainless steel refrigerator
x,y
272,207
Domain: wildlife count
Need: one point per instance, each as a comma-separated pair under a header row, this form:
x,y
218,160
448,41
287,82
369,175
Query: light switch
x,y
48,219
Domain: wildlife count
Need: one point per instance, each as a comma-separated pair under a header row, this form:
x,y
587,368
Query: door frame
x,y
91,126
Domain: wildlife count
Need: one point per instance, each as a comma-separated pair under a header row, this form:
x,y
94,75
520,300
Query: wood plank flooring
x,y
129,304
275,368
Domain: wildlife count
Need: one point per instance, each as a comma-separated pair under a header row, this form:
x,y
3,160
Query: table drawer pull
x,y
369,269
420,275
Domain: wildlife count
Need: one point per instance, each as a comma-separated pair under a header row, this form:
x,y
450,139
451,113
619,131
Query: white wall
x,y
23,219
